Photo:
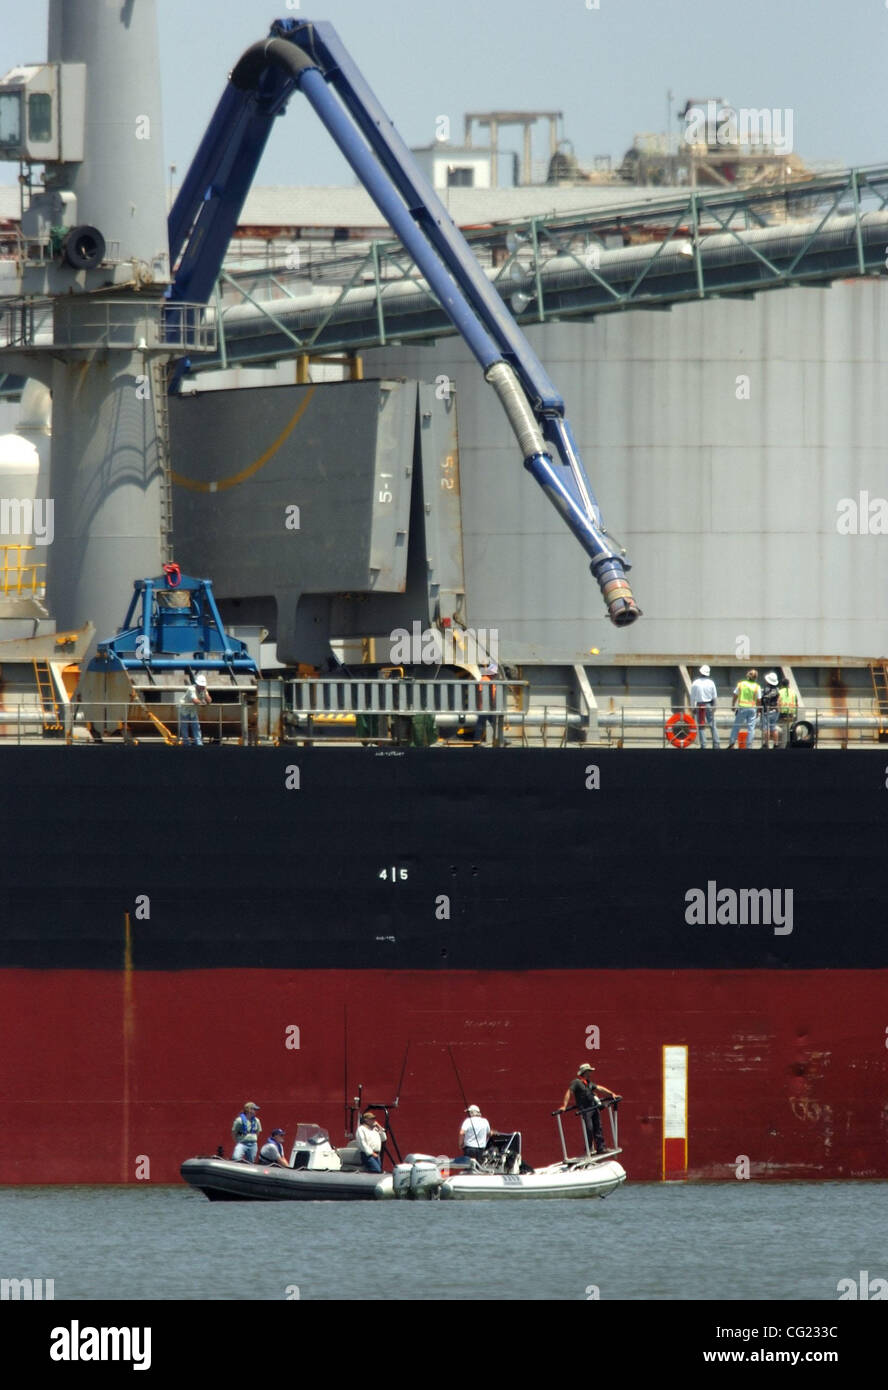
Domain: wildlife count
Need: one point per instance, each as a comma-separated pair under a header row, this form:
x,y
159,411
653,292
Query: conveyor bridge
x,y
662,251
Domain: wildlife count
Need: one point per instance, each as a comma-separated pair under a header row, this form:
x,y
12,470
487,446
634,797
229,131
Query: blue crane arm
x,y
309,57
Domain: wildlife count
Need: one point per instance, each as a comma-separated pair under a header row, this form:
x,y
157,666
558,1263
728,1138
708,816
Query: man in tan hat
x,y
584,1093
370,1137
246,1130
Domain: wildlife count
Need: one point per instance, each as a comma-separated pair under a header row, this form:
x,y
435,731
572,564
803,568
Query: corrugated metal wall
x,y
729,507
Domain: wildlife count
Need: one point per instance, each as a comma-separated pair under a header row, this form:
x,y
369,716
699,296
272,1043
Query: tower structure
x,y
82,306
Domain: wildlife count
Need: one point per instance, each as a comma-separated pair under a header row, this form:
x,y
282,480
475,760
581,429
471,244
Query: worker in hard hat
x,y
704,701
196,694
485,699
747,697
770,711
787,710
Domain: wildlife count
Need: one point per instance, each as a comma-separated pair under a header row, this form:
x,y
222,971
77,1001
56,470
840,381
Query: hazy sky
x,y
607,69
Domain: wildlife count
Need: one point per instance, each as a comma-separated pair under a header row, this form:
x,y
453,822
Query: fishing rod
x,y
461,1091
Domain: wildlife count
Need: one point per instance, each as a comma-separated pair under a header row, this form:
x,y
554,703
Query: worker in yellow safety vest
x,y
746,700
787,710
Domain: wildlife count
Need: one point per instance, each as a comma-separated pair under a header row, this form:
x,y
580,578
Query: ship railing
x,y
87,324
610,1107
649,727
348,715
225,721
397,708
397,696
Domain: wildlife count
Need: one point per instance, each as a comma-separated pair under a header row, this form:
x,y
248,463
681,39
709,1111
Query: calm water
x,y
725,1241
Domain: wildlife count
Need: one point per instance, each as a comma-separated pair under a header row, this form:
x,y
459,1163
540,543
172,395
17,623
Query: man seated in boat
x,y
586,1096
474,1134
370,1137
272,1152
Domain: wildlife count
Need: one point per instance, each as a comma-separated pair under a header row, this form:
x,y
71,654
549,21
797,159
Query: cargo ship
x,y
475,920
186,928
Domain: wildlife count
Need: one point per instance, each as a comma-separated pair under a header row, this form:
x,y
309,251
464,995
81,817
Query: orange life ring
x,y
681,729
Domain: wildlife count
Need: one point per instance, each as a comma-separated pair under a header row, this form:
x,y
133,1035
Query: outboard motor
x,y
418,1176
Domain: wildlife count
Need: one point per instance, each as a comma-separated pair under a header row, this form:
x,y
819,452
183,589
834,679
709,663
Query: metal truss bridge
x,y
662,251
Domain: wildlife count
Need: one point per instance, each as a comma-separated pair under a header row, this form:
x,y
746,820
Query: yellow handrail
x,y
16,577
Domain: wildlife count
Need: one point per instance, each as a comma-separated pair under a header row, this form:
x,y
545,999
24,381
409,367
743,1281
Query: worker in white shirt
x,y
370,1137
474,1133
704,700
196,693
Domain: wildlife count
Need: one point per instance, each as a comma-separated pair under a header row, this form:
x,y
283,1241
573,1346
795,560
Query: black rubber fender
x,y
803,734
84,248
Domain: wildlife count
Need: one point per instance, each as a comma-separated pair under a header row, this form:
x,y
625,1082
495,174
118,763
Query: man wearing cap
x,y
370,1137
474,1133
770,711
273,1151
704,699
246,1130
196,693
584,1093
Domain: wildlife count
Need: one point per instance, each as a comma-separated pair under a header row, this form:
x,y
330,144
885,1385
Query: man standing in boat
x,y
370,1137
584,1093
246,1130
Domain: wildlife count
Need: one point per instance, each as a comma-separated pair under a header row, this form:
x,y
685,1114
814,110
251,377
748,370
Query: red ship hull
x,y
115,1077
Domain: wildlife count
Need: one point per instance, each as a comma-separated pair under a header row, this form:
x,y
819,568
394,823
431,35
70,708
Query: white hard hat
x,y
200,679
704,670
771,678
473,1110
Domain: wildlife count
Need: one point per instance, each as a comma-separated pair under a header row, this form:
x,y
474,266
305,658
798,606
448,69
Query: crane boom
x,y
300,55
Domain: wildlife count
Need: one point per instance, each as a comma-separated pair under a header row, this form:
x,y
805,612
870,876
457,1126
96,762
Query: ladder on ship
x,y
879,673
159,387
49,702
